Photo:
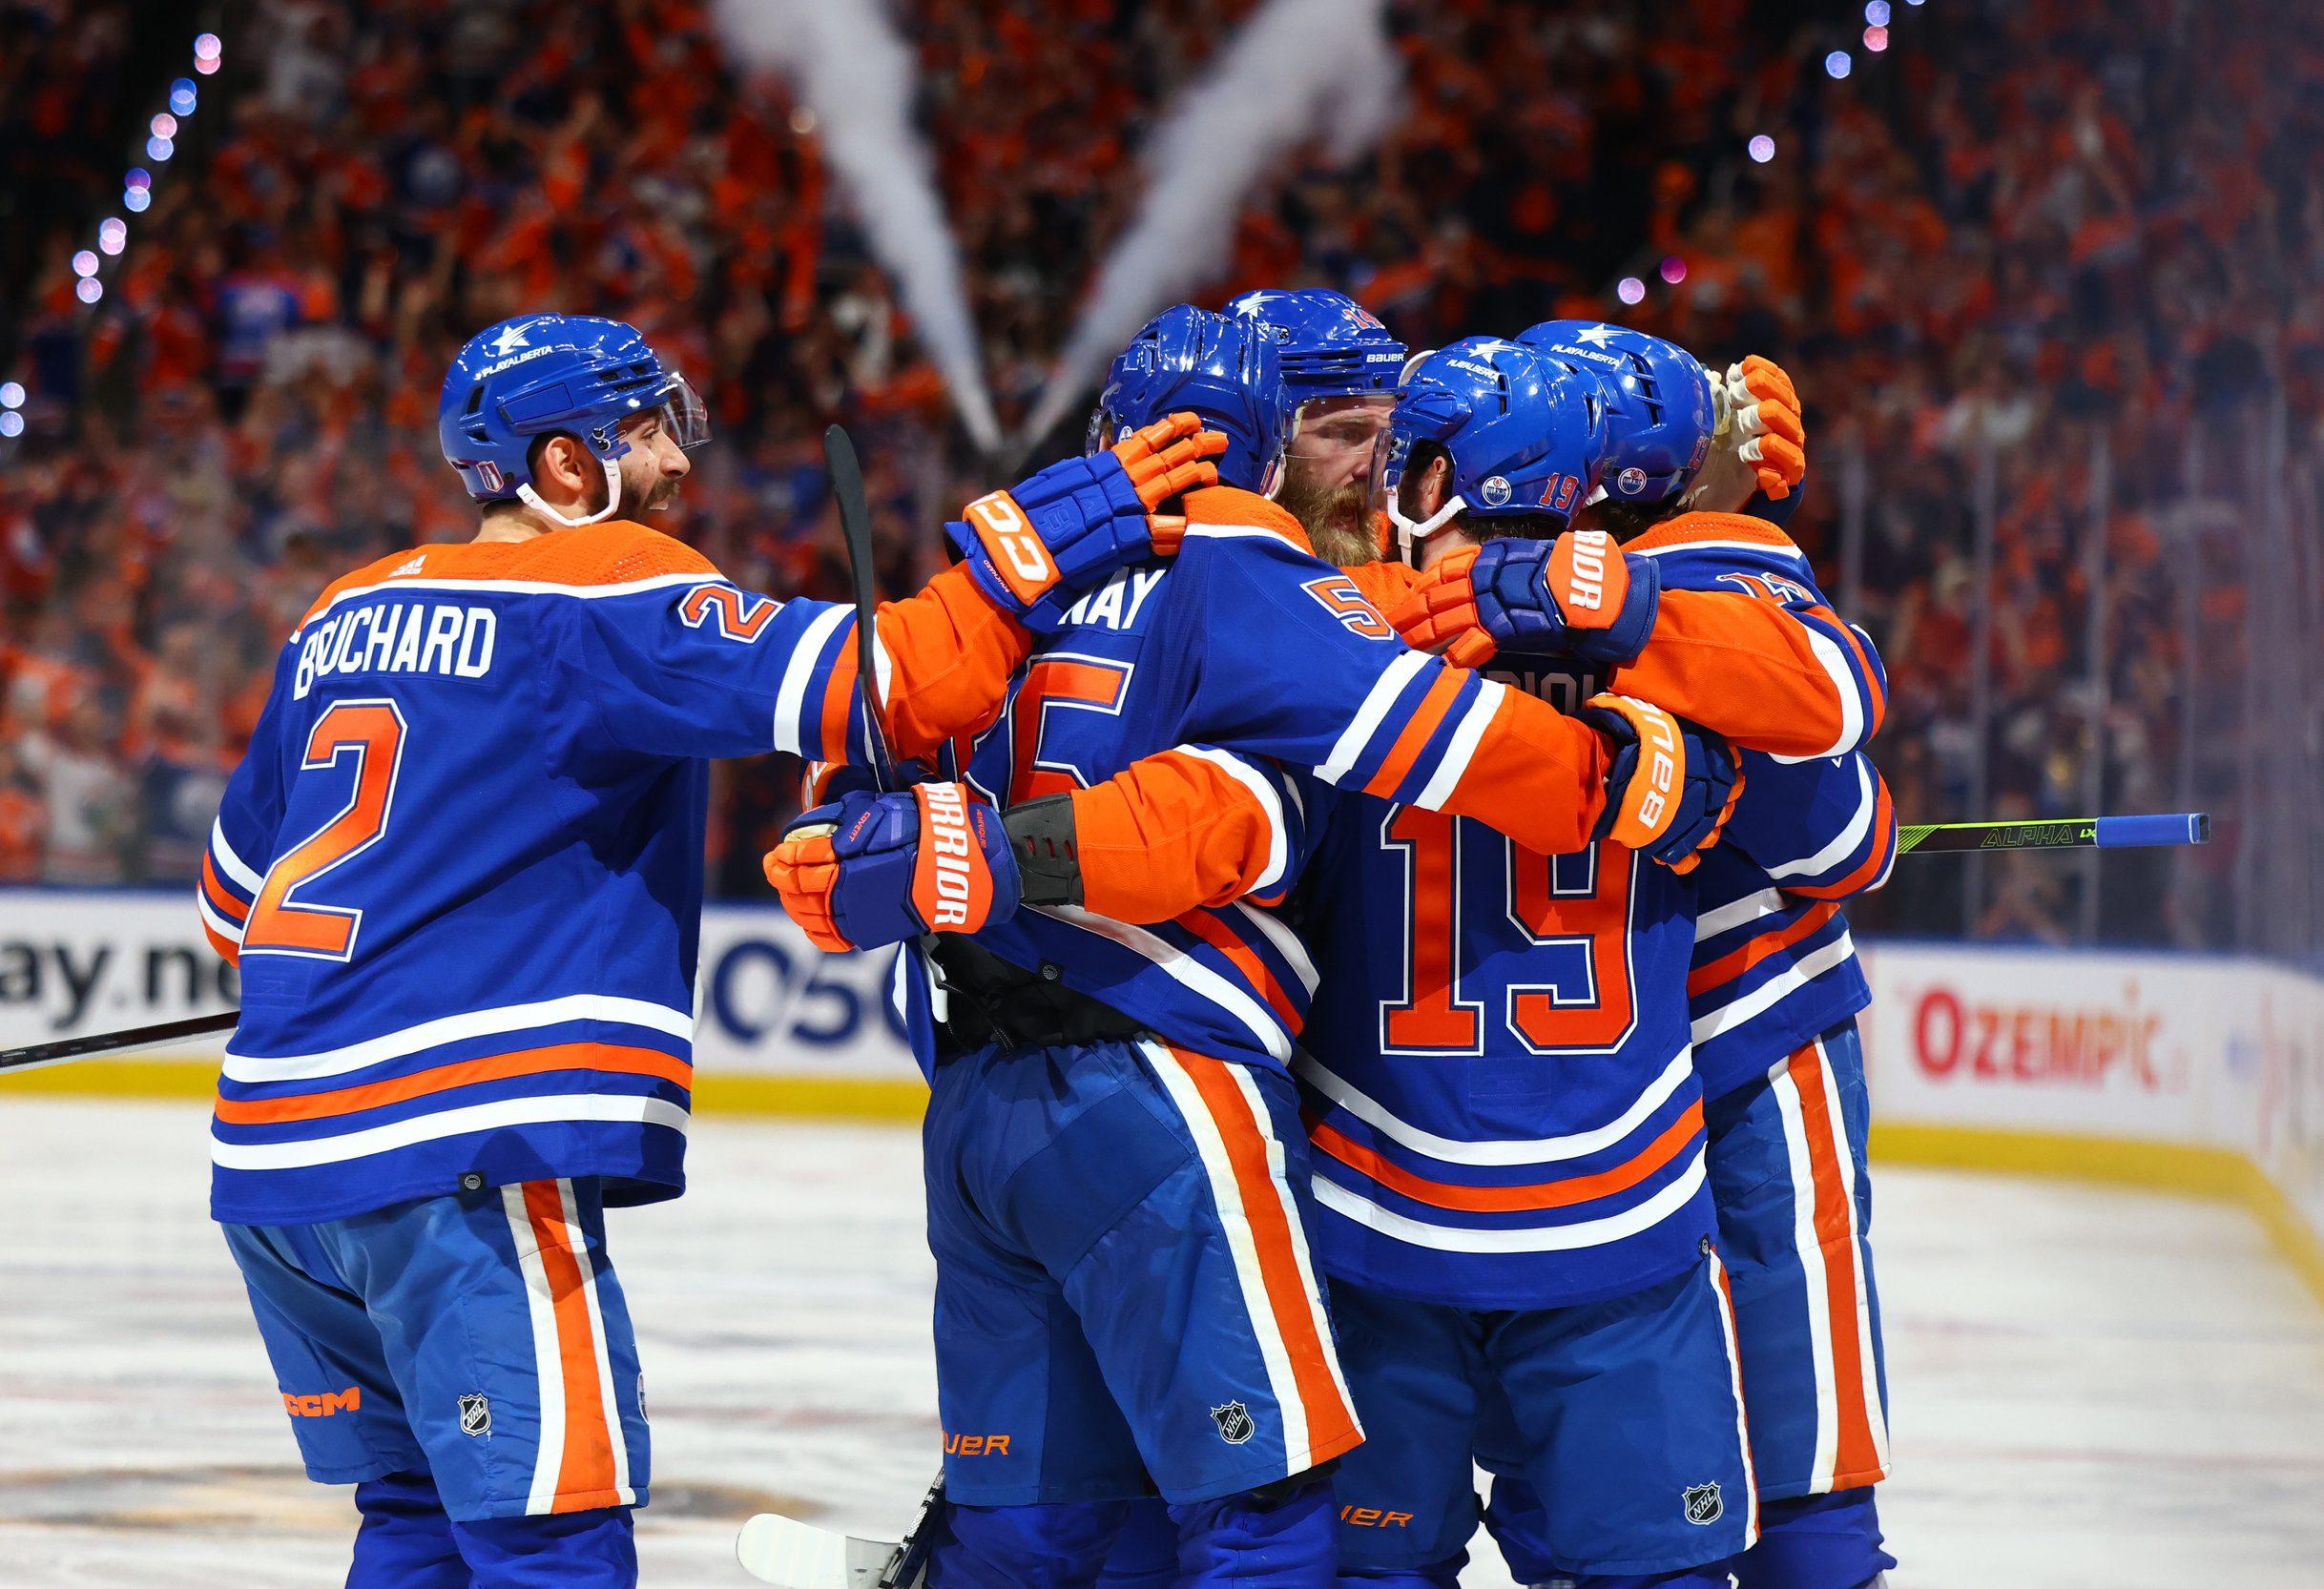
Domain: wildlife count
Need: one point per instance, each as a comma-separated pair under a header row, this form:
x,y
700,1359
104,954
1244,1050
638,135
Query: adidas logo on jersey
x,y
409,565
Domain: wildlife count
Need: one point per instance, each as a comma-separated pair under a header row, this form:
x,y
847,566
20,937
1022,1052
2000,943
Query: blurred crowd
x,y
2038,267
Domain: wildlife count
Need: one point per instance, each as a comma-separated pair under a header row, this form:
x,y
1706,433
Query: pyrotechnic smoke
x,y
848,65
1299,68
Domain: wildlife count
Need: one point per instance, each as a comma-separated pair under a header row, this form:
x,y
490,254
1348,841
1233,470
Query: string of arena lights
x,y
1632,290
89,264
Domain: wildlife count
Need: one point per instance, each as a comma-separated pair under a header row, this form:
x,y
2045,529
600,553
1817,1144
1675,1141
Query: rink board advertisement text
x,y
1980,1047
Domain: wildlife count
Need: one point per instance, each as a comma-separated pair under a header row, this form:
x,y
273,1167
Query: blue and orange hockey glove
x,y
1673,785
1037,546
869,869
1760,418
1577,596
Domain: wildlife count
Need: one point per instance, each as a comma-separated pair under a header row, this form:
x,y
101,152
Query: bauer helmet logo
x,y
475,1416
1493,491
1234,1421
1703,1504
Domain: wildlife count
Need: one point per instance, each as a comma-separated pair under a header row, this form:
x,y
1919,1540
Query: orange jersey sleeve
x,y
948,655
1179,830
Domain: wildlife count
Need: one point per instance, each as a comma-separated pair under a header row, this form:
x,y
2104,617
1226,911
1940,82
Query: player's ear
x,y
1434,484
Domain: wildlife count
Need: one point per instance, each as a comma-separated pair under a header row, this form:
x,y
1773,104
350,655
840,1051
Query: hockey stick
x,y
115,1042
2080,832
854,529
776,1549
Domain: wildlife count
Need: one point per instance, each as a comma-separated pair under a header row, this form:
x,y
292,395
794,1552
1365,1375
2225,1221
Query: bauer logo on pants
x,y
1703,1504
475,1414
1234,1421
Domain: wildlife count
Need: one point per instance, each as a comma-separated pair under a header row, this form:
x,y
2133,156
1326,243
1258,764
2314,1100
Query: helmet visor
x,y
685,416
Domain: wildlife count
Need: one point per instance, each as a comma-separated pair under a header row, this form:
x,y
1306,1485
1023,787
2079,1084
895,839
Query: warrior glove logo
x,y
1234,1421
475,1416
1703,1504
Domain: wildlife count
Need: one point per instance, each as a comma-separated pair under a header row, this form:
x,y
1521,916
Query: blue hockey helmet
x,y
1659,415
537,374
1525,435
1221,368
1329,344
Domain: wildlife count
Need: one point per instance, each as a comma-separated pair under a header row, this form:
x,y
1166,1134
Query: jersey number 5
x,y
281,922
1577,905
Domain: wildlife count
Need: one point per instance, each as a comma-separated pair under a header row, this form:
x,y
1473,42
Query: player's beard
x,y
1337,518
637,500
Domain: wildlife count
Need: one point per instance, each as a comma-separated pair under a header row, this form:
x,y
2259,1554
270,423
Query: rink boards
x,y
2192,1073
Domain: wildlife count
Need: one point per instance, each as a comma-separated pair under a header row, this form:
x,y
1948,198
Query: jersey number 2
x,y
1578,903
283,923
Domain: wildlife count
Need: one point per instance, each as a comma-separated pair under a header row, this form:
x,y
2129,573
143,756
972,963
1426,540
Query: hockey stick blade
x,y
779,1550
854,529
66,1049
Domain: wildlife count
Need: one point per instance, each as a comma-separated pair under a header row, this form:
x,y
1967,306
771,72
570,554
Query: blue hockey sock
x,y
596,1549
1816,1542
406,1540
1436,1574
1060,1547
1258,1541
1145,1552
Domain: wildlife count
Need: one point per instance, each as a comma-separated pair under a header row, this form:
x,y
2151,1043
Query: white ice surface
x,y
2091,1388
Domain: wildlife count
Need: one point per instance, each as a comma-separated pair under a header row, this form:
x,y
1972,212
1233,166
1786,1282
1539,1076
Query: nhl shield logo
x,y
1234,1421
1703,1504
475,1416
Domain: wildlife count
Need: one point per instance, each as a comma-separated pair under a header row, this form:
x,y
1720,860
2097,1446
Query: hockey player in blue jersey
x,y
1117,1196
461,868
1774,994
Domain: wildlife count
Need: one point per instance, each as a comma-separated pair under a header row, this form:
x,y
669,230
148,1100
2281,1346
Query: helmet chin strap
x,y
1411,532
531,499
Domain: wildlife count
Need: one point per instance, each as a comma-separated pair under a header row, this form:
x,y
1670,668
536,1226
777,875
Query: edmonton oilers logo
x,y
1234,1421
1703,1504
1631,480
1493,491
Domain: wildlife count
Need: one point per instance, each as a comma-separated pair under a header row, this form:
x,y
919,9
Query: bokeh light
x,y
159,148
135,199
113,234
182,97
164,125
138,177
12,423
84,264
90,289
1875,13
12,393
1762,148
1876,39
1674,269
1839,64
206,67
1630,290
206,47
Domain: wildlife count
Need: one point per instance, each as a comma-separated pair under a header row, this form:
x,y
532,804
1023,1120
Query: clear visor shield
x,y
685,416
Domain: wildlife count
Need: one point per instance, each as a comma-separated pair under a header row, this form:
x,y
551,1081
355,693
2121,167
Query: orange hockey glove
x,y
1769,430
1673,785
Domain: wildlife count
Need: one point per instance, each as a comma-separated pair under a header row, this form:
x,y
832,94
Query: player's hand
x,y
1046,539
1579,596
1762,421
1672,786
869,869
826,781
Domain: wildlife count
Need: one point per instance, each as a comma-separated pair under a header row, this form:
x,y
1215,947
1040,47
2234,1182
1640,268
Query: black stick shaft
x,y
854,529
117,1042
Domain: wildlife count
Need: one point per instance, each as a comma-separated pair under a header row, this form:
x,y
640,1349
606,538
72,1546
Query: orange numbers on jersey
x,y
1579,903
1059,691
371,734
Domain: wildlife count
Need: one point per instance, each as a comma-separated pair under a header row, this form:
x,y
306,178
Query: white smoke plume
x,y
1298,69
849,66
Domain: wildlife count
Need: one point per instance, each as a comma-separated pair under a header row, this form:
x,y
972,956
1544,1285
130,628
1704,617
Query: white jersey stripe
x,y
600,1348
1849,838
512,586
1273,1350
1876,1420
610,1008
1186,971
548,1365
1286,944
1270,800
1726,1018
237,871
1359,733
1308,1287
627,1108
792,693
1716,1274
1817,1298
1762,547
216,922
1738,912
1561,1238
1834,663
1463,747
1529,1151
